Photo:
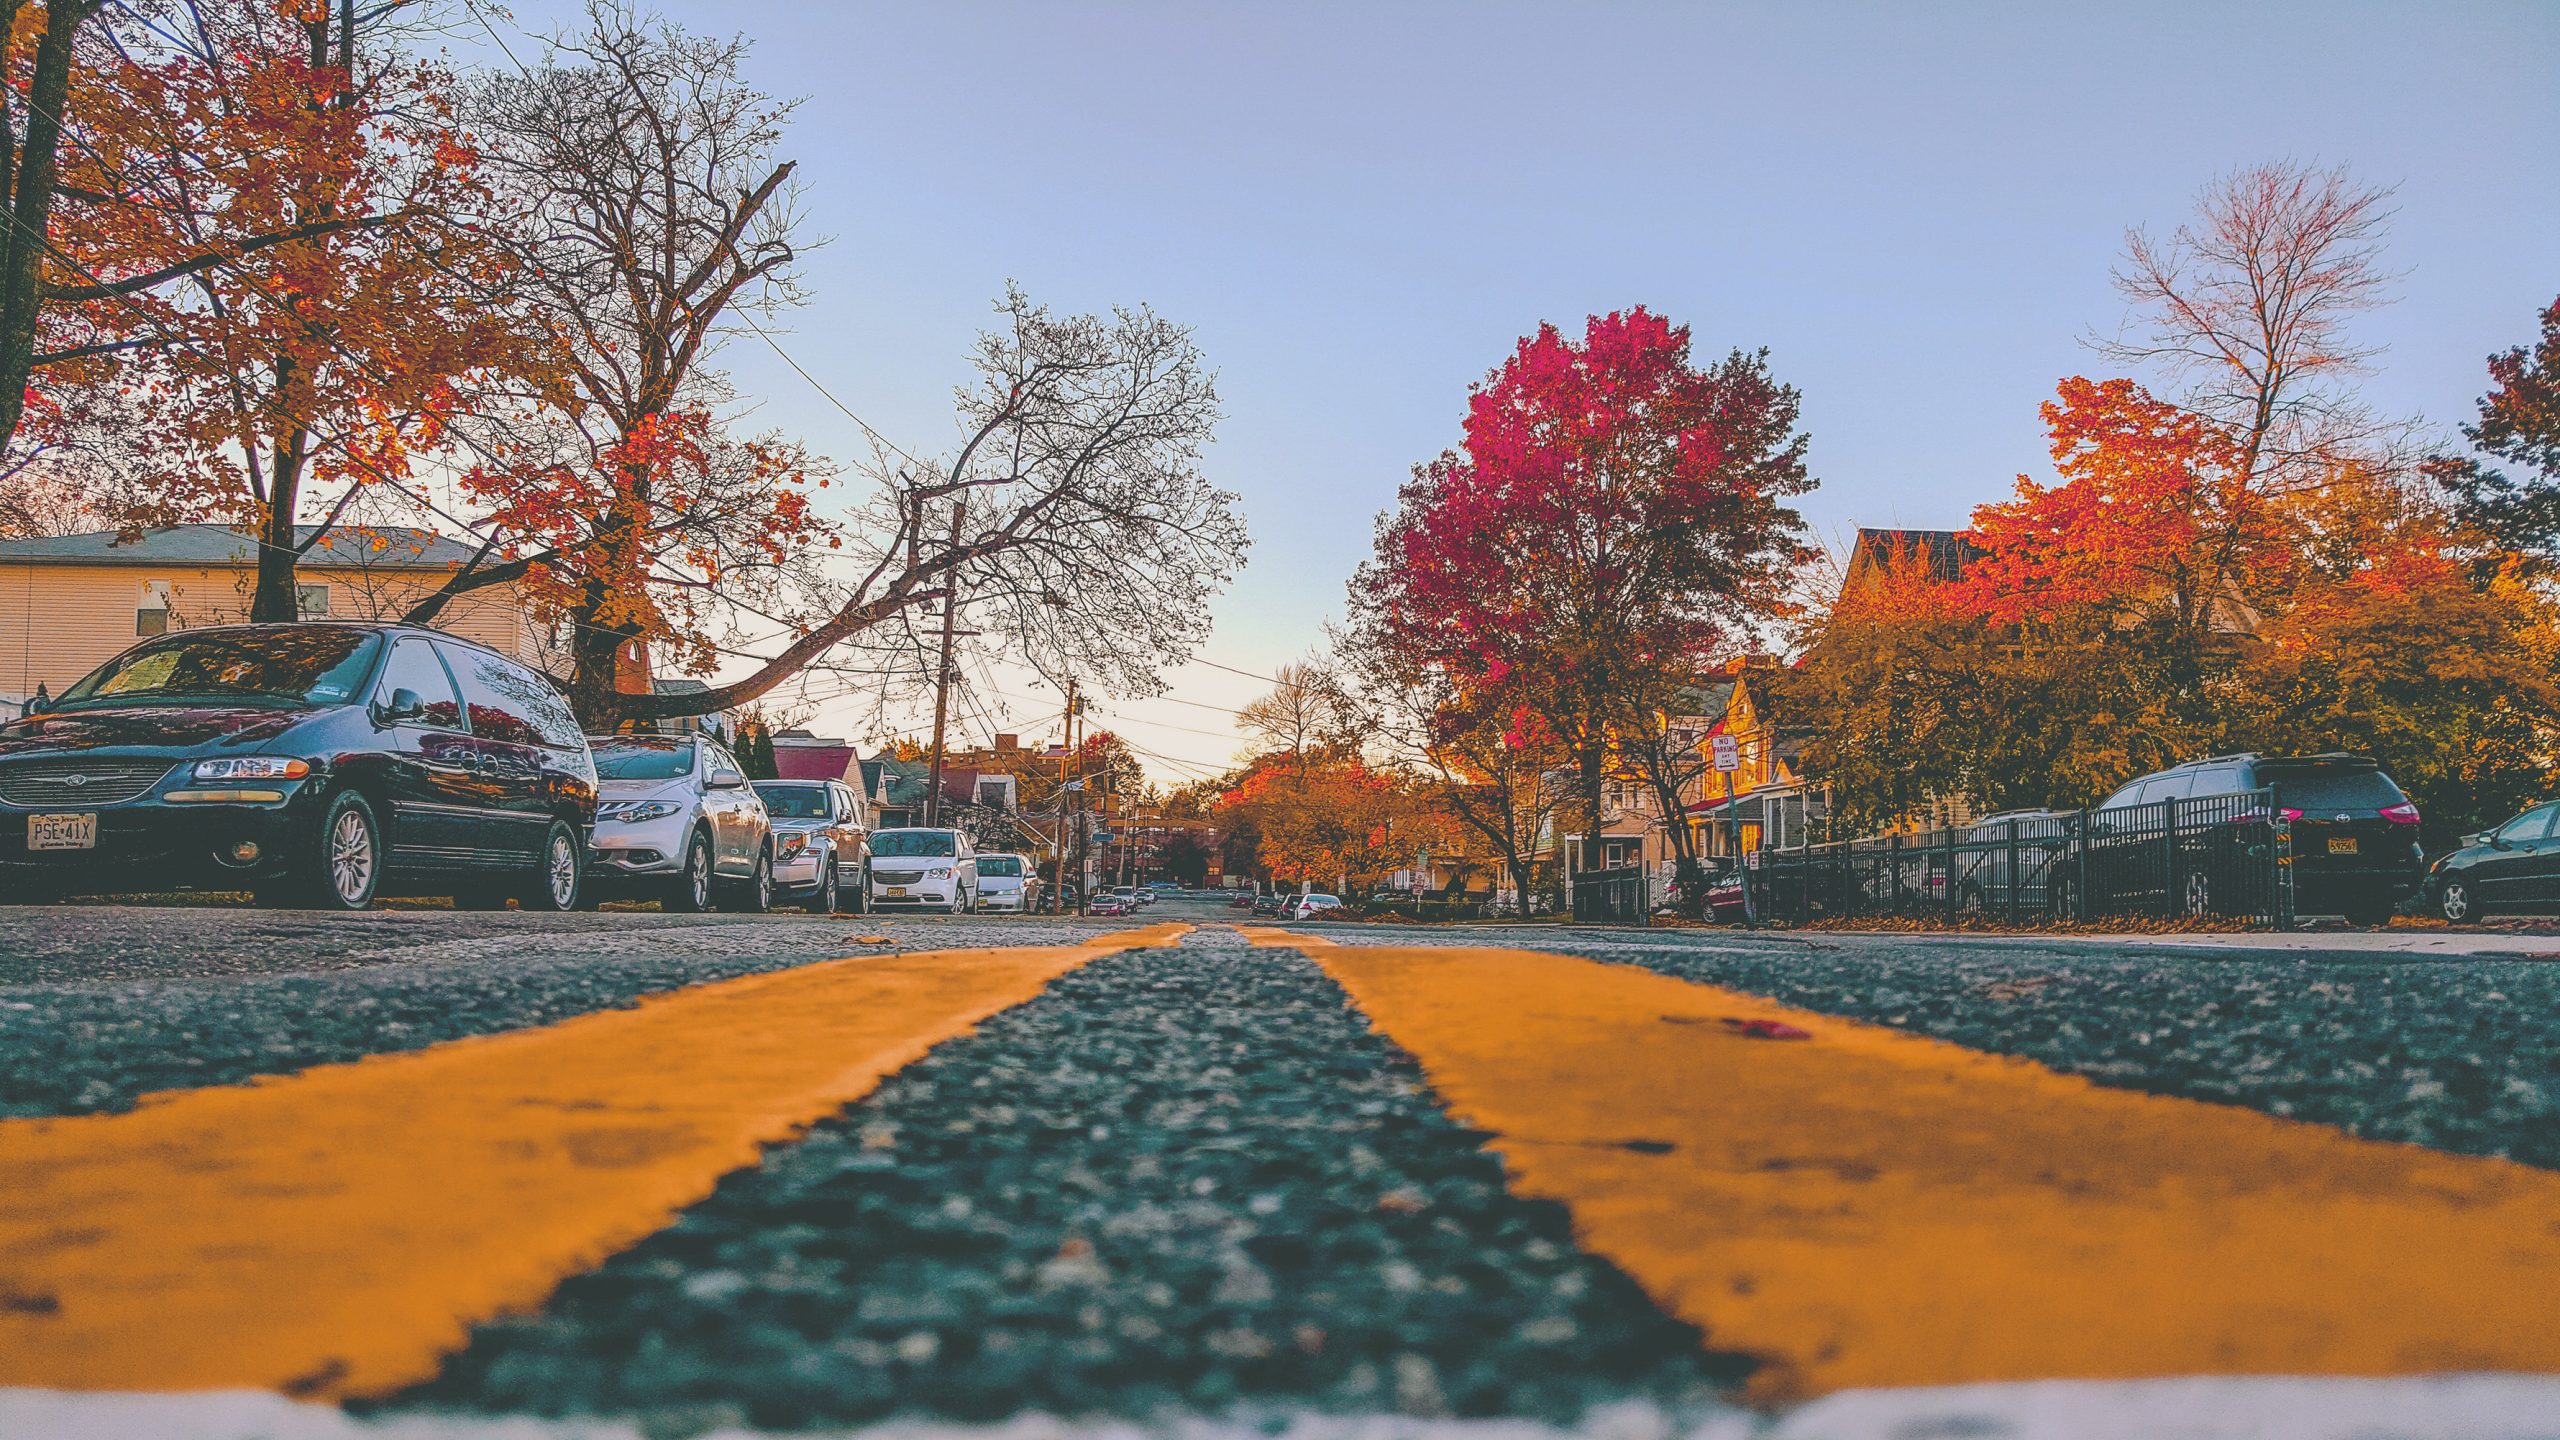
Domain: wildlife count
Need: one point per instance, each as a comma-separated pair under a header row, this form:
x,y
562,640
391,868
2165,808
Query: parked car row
x,y
2199,839
330,764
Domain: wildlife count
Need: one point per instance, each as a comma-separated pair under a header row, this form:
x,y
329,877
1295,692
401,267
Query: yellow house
x,y
70,602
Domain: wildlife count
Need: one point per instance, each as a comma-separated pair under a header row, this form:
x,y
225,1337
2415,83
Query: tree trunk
x,y
30,201
276,600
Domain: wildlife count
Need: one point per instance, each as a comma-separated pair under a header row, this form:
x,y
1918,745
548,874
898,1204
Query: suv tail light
x,y
2292,814
2401,814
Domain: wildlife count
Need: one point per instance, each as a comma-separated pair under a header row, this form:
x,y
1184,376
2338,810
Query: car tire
x,y
690,894
2062,898
2456,903
753,895
561,882
344,869
829,896
1971,900
2195,896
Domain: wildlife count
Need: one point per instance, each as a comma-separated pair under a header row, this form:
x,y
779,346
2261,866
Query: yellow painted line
x,y
1869,1208
337,1231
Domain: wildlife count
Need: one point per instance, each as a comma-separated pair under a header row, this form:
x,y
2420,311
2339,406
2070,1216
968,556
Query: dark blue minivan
x,y
313,764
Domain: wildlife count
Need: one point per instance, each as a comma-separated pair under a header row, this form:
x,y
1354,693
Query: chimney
x,y
1008,742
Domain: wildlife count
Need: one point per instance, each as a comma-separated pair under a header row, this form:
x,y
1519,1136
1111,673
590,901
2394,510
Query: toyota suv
x,y
2355,835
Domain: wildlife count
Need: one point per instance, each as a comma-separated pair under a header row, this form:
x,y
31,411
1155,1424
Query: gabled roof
x,y
1945,553
372,547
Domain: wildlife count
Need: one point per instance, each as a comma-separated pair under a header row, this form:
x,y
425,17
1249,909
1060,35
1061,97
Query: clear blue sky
x,y
1360,206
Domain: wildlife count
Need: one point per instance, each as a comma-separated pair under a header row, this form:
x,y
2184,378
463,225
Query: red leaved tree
x,y
1613,514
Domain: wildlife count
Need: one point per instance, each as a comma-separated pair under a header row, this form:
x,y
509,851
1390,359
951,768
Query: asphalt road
x,y
1189,1178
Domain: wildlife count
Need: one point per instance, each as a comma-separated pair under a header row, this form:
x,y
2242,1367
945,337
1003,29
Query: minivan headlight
x,y
253,767
938,872
634,811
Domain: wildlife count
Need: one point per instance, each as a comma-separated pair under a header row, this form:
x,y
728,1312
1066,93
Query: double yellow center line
x,y
337,1231
1867,1207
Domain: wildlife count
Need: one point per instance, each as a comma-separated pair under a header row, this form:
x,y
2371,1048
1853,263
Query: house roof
x,y
372,547
1945,553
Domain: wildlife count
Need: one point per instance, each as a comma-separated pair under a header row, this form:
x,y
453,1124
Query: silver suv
x,y
820,849
678,822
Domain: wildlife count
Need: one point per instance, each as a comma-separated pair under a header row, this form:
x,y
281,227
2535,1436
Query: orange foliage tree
x,y
305,296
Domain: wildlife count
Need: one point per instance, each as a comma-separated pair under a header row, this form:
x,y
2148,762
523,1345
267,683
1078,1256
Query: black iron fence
x,y
1610,897
2213,856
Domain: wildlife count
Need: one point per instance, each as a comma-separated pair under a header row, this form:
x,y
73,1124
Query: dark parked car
x,y
2515,866
312,764
2355,835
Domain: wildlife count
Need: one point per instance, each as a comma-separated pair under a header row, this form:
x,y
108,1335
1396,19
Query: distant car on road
x,y
1008,882
1107,903
1314,906
928,868
679,824
821,851
2514,866
318,764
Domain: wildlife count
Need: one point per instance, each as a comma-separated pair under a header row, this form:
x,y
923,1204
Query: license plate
x,y
897,891
2342,844
62,832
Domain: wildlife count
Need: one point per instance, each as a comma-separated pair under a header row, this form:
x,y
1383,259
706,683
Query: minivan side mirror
x,y
404,704
2498,841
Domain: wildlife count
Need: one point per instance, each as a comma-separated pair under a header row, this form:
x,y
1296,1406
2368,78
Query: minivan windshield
x,y
643,757
914,842
282,665
1005,867
794,802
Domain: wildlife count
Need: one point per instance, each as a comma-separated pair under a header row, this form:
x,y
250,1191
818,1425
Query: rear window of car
x,y
2332,787
1006,866
795,802
621,759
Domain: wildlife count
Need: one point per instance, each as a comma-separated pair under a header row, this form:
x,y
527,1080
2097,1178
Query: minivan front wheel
x,y
555,886
344,870
2455,904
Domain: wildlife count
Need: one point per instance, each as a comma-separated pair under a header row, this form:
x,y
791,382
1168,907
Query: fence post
x,y
2080,860
2172,878
2013,875
1897,872
1949,850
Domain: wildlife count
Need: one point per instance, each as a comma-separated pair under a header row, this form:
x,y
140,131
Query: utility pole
x,y
1058,860
942,677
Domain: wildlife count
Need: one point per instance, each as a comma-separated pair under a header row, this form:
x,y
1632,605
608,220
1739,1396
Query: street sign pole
x,y
1728,754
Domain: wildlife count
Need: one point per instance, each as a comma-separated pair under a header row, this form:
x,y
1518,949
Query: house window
x,y
151,613
311,602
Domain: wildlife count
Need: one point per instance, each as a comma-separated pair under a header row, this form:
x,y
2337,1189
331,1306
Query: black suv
x,y
312,764
2355,835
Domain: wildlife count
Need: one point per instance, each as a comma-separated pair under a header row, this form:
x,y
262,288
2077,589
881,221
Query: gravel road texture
x,y
2462,1054
1182,1180
100,1005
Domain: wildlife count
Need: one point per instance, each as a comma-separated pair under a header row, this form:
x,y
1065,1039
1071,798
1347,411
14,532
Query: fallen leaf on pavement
x,y
1766,1029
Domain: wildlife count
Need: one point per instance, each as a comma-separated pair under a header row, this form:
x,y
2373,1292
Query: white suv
x,y
924,868
678,821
